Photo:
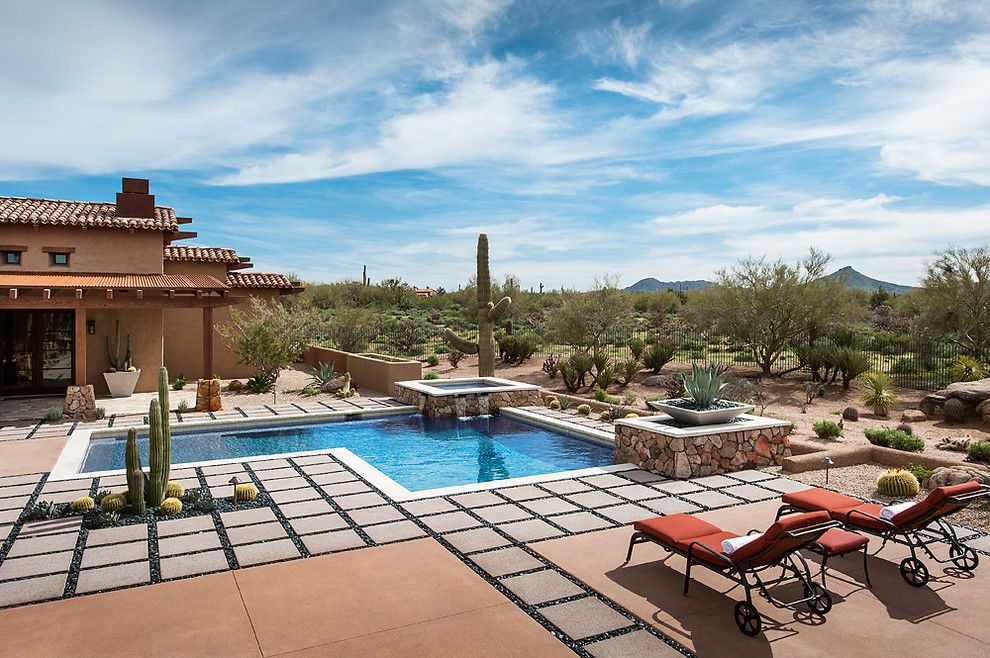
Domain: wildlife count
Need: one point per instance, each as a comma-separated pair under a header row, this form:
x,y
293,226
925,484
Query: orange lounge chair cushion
x,y
819,499
712,541
858,519
837,541
773,534
677,527
932,502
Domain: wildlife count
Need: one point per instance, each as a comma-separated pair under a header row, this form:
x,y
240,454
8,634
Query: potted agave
x,y
122,376
704,404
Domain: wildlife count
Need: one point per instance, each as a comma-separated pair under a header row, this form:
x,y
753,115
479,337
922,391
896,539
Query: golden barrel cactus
x,y
114,503
170,506
82,504
245,493
899,483
174,490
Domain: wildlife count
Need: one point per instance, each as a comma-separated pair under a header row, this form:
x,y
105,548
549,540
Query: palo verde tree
x,y
488,314
268,335
769,306
591,320
954,299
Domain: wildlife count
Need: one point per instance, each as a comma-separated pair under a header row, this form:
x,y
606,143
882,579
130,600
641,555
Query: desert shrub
x,y
53,415
896,439
602,396
628,369
919,472
979,451
516,348
905,366
877,393
235,386
967,369
845,337
454,357
406,335
269,336
352,329
179,383
636,347
433,360
826,429
259,383
659,354
551,365
431,375
850,362
182,407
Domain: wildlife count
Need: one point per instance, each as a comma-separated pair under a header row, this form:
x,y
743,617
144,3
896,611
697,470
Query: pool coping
x,y
426,387
74,452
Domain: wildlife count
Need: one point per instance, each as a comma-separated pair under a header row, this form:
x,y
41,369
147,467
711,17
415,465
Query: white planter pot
x,y
706,417
121,384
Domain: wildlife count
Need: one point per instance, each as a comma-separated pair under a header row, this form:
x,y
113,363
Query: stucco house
x,y
70,269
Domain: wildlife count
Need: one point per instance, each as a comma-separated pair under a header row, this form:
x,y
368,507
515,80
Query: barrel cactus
x,y
584,409
82,504
605,416
174,490
113,503
631,414
899,483
245,493
488,314
170,507
851,414
554,403
954,410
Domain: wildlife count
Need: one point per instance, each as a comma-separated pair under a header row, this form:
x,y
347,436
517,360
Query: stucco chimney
x,y
134,200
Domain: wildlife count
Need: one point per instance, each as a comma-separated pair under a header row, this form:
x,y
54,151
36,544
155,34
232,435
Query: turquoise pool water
x,y
416,451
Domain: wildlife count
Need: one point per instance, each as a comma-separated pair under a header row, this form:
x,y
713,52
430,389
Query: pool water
x,y
462,385
416,451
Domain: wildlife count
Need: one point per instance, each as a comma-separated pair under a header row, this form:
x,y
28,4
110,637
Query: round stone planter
x,y
121,384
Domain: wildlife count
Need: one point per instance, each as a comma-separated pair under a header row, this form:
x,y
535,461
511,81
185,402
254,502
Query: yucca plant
x,y
704,385
967,369
877,393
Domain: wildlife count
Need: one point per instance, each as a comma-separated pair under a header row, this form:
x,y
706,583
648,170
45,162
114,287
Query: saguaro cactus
x,y
159,449
135,476
488,314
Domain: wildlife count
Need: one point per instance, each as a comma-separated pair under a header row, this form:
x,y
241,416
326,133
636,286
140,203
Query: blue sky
x,y
663,138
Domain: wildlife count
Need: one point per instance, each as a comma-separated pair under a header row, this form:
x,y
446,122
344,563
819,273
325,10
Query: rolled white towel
x,y
735,543
889,512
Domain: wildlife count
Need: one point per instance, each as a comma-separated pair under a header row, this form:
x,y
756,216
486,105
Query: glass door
x,y
37,351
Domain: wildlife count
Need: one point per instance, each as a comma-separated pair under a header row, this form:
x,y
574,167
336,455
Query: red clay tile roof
x,y
183,282
52,212
207,254
259,280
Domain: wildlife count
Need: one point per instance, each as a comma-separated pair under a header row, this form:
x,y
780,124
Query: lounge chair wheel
x,y
822,601
914,572
748,619
964,557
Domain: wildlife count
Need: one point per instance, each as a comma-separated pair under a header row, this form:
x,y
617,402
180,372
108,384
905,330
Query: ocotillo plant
x,y
160,443
488,314
135,476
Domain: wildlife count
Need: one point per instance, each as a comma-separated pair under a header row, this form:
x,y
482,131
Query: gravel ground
x,y
861,481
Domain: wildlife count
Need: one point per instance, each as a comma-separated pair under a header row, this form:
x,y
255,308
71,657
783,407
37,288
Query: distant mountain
x,y
859,280
652,285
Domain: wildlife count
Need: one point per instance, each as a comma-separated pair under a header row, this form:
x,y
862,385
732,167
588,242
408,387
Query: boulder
x,y
673,385
972,393
913,416
739,390
944,476
932,405
333,385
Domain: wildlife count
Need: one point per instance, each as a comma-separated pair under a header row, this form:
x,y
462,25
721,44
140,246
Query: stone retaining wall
x,y
707,454
467,404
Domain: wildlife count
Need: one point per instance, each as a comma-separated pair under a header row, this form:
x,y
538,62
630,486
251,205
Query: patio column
x,y
80,346
207,342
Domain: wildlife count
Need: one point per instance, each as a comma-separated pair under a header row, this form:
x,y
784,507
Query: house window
x,y
11,257
60,258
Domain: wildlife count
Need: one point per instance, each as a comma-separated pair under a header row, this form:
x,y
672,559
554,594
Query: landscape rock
x,y
972,393
932,405
739,390
955,444
333,385
949,475
80,403
913,416
673,385
208,395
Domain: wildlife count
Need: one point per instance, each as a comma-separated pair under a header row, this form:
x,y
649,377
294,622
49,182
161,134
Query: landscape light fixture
x,y
234,482
828,464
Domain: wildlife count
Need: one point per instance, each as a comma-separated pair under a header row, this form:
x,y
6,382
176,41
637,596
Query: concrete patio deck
x,y
508,571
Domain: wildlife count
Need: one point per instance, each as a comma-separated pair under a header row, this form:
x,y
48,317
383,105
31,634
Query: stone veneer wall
x,y
80,403
698,456
470,404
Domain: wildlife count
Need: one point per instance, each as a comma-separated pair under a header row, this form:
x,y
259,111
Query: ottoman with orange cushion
x,y
836,542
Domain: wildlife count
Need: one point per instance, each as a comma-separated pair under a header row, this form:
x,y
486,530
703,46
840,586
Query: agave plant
x,y
704,385
323,373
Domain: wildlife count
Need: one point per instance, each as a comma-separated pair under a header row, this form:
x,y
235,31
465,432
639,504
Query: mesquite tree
x,y
488,314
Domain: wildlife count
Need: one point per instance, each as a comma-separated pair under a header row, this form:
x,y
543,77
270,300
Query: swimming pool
x,y
416,451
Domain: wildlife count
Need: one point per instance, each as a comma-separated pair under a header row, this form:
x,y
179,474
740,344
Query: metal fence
x,y
909,361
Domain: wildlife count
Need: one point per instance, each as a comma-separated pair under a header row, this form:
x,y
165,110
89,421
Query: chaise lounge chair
x,y
915,526
702,543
